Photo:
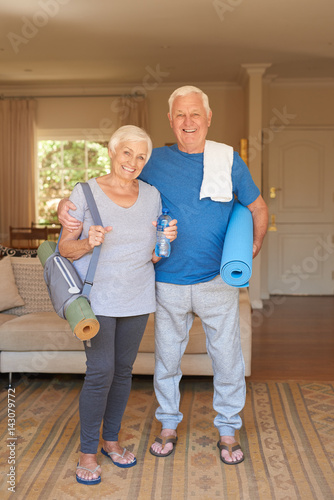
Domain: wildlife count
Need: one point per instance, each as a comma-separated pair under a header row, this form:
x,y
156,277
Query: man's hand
x,y
170,231
259,211
66,220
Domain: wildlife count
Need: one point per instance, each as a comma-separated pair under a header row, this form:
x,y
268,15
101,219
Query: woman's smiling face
x,y
129,159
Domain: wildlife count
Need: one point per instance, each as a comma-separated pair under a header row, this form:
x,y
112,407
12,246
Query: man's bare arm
x,y
259,212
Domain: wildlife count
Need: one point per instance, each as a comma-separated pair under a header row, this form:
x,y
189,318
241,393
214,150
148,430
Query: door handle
x,y
272,226
272,191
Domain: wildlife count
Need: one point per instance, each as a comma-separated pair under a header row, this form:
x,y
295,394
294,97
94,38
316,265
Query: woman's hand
x,y
96,235
72,247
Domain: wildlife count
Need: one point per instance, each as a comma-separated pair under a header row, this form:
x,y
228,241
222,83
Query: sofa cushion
x,y
196,344
44,331
6,317
9,294
197,339
30,282
47,332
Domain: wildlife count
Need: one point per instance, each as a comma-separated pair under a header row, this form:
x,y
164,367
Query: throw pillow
x,y
9,294
17,252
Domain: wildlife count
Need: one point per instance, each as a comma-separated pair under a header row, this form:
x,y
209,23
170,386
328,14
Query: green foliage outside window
x,y
61,164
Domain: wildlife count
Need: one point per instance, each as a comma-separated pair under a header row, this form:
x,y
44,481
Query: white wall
x,y
312,104
93,114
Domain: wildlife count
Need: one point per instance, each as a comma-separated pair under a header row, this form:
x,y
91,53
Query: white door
x,y
301,213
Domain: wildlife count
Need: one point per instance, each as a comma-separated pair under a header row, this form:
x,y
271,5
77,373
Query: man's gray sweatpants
x,y
217,305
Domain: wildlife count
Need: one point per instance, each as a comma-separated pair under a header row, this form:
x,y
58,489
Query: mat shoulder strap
x,y
89,279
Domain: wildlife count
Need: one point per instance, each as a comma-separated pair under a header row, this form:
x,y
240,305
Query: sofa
x,y
33,339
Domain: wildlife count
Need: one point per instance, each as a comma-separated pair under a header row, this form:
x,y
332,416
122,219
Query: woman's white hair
x,y
130,133
186,90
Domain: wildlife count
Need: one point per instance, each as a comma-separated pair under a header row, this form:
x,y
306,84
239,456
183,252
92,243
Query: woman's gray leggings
x,y
107,383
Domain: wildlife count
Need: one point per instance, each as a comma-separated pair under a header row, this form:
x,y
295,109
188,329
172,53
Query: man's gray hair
x,y
186,90
130,133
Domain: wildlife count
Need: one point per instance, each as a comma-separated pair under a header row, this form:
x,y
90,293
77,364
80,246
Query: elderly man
x,y
189,281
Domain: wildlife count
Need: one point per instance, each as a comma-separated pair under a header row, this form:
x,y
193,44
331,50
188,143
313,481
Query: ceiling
x,y
113,42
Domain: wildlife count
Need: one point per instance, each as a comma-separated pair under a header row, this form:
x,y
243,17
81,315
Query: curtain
x,y
17,164
133,111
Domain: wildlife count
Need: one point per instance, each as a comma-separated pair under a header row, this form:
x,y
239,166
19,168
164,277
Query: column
x,y
253,75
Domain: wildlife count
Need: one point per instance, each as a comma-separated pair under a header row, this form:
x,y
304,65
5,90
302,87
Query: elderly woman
x,y
123,294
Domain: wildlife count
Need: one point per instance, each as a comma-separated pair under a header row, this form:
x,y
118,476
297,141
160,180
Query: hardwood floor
x,y
293,339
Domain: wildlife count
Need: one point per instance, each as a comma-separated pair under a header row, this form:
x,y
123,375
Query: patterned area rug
x,y
287,437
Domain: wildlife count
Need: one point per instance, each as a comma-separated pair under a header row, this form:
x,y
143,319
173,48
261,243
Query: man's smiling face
x,y
190,123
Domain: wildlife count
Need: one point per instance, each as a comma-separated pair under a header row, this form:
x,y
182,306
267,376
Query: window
x,y
63,163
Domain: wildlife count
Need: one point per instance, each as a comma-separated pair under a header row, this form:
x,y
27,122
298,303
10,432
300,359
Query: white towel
x,y
217,173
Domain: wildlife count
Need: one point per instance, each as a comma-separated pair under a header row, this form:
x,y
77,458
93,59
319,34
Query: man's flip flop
x,y
230,448
123,466
88,481
163,440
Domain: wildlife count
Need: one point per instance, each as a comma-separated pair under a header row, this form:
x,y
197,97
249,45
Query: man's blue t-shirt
x,y
197,251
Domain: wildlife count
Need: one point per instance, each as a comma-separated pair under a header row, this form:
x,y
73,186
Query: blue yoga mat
x,y
236,263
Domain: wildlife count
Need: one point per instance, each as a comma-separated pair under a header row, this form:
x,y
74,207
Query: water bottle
x,y
162,247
